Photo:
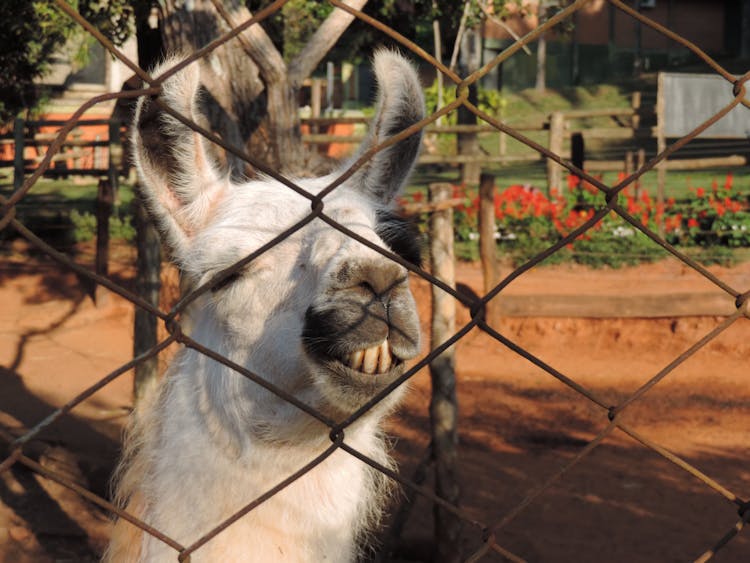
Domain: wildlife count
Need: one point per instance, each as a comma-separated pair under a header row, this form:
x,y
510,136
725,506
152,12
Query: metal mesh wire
x,y
611,414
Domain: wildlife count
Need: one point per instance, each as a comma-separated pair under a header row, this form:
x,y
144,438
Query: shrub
x,y
84,226
528,221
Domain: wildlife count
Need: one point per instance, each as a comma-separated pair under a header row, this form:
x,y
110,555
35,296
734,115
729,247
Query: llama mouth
x,y
376,360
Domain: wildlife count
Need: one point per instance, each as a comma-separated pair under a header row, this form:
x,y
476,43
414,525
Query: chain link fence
x,y
489,530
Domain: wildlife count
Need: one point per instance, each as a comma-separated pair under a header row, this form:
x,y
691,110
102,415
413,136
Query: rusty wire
x,y
612,414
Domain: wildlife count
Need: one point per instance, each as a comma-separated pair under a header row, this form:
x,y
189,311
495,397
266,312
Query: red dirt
x,y
519,425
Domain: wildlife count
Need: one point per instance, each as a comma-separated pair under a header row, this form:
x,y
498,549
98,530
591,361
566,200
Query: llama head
x,y
319,314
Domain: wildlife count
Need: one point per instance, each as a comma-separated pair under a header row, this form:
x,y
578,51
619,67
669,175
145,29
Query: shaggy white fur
x,y
319,315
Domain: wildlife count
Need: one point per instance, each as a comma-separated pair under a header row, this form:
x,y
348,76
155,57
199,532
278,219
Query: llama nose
x,y
379,276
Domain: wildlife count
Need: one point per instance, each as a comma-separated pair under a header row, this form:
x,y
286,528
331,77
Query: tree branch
x,y
321,42
460,34
254,41
497,21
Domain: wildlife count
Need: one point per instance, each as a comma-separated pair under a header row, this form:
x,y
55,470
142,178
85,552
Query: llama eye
x,y
401,235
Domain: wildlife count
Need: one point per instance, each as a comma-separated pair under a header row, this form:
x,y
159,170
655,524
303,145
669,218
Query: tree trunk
x,y
541,51
541,64
438,42
468,143
251,98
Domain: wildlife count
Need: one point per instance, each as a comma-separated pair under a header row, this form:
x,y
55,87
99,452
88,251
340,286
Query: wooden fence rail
x,y
76,148
628,125
561,126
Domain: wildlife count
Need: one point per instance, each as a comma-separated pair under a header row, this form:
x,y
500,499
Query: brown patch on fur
x,y
125,543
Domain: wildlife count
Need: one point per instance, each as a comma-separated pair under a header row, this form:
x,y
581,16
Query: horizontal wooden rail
x,y
617,306
482,158
617,133
325,121
442,205
56,172
598,112
324,139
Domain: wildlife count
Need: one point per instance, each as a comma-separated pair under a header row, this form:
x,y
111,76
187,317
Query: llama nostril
x,y
367,286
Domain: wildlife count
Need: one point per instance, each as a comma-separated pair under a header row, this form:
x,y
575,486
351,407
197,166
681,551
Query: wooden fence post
x,y
18,147
147,285
556,135
640,163
316,102
628,166
635,104
661,145
443,404
104,203
115,153
577,150
487,244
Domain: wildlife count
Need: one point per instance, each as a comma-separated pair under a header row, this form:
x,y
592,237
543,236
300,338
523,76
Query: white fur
x,y
211,441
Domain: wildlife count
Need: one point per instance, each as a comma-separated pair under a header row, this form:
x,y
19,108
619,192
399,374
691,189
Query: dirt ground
x,y
518,424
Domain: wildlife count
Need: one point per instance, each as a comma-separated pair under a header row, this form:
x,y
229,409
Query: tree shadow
x,y
57,532
623,501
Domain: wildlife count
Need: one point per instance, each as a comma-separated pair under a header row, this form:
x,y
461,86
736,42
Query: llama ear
x,y
400,104
179,183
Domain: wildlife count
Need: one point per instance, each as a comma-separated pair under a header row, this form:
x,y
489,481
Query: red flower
x,y
573,181
589,187
728,182
700,192
692,223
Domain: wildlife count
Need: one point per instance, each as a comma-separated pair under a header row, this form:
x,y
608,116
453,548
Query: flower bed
x,y
527,221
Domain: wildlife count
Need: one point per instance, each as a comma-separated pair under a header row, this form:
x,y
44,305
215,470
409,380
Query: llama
x,y
320,315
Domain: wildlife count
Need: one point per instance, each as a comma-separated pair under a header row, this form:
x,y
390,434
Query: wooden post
x,y
104,202
661,145
316,102
98,162
468,143
18,144
77,136
330,86
487,244
147,285
115,153
577,150
556,135
640,163
443,404
628,166
635,104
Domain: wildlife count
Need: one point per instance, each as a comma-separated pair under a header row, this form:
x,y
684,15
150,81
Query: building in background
x,y
601,43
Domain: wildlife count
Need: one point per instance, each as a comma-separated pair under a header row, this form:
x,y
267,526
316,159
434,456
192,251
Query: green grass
x,y
68,191
529,106
62,211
